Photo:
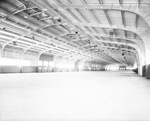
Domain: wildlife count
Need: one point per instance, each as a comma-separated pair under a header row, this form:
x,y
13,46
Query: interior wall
x,y
93,66
148,71
46,63
13,53
16,54
10,69
32,58
28,69
146,38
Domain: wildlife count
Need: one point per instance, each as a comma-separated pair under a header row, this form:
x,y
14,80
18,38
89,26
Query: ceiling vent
x,y
111,33
14,43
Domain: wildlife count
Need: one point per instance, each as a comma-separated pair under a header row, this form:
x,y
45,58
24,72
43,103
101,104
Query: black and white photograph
x,y
74,60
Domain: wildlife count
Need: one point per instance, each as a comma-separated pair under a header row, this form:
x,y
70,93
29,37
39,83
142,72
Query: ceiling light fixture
x,y
64,24
15,43
44,9
56,18
71,28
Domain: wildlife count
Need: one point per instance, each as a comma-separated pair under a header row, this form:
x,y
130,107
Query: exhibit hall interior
x,y
74,60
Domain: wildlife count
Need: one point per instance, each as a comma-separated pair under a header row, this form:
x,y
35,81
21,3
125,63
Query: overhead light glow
x,y
45,63
65,65
25,17
135,66
64,24
51,64
148,60
56,18
40,63
14,62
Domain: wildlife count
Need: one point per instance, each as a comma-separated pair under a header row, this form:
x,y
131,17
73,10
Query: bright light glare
x,y
129,67
113,67
135,66
51,64
14,62
40,63
65,65
45,63
81,65
148,60
58,65
26,63
69,66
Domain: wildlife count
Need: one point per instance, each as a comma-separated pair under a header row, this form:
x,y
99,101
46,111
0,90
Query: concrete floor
x,y
74,96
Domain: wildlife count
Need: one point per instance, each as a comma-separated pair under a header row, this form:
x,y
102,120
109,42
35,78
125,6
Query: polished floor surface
x,y
74,96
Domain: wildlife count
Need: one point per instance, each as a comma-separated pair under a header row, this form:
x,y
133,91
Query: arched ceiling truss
x,y
94,30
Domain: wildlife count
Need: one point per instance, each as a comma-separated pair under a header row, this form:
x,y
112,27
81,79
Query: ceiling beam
x,y
136,20
97,21
114,42
23,37
125,34
46,3
81,16
116,48
123,22
46,18
73,16
100,3
134,36
20,8
93,6
43,49
122,18
61,44
107,17
87,54
77,17
78,14
93,16
138,3
33,43
99,6
133,29
102,35
120,3
37,13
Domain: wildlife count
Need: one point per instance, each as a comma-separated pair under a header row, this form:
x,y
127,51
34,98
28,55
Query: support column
x,y
1,54
141,63
38,59
146,38
147,63
22,58
54,58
